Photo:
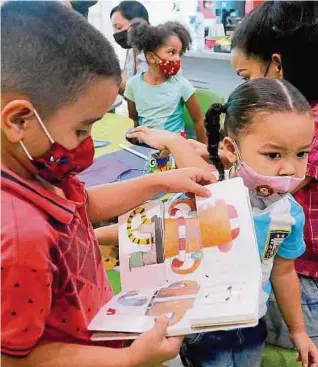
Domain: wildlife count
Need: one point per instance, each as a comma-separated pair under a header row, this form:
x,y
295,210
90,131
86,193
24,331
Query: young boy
x,y
59,75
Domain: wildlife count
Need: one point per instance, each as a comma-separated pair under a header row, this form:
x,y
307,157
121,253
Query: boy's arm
x,y
196,115
286,288
110,200
149,349
133,112
107,235
70,355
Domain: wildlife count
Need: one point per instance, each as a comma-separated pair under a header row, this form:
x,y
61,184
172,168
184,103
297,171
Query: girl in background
x,y
156,98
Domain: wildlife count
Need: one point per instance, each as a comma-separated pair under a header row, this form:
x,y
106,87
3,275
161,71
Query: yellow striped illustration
x,y
144,220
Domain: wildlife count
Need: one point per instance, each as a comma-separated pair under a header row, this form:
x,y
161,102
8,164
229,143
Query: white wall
x,y
159,11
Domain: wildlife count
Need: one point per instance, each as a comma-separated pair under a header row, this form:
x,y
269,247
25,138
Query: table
x,y
112,163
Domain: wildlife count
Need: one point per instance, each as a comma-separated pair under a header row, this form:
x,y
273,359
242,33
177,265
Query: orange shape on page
x,y
193,242
215,224
174,305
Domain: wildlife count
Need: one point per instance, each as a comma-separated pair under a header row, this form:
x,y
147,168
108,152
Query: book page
x,y
141,247
197,262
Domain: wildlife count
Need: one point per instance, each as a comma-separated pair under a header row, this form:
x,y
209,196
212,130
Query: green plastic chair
x,y
205,98
279,357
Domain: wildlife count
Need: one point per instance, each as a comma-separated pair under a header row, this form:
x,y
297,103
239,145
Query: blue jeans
x,y
234,348
277,329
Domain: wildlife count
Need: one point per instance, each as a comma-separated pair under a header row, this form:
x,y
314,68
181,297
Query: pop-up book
x,y
194,260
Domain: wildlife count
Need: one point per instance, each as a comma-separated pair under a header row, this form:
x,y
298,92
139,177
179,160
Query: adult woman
x,y
279,39
121,17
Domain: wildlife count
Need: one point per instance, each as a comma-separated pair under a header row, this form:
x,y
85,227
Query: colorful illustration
x,y
153,252
132,299
173,302
110,256
155,163
187,232
219,224
182,234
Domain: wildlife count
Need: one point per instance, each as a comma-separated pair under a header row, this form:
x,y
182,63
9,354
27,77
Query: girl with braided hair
x,y
268,131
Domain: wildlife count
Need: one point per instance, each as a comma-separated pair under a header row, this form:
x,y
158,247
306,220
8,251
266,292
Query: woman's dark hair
x,y
82,6
50,53
131,10
288,28
262,95
148,38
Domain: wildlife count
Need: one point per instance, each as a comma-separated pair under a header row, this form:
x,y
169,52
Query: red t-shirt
x,y
307,264
53,280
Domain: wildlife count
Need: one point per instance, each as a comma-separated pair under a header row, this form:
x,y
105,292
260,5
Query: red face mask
x,y
58,163
169,68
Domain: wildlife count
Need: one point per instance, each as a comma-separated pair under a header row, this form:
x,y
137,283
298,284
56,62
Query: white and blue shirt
x,y
279,230
160,106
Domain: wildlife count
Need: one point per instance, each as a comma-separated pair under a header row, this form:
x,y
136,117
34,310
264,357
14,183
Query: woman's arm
x,y
183,151
133,112
123,83
196,115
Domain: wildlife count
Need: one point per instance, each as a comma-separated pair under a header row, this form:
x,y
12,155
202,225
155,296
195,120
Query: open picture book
x,y
194,260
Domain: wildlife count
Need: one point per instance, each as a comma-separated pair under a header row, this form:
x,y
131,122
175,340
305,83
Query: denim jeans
x,y
234,348
277,329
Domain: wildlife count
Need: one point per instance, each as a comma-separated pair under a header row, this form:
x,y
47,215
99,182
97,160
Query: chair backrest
x,y
205,99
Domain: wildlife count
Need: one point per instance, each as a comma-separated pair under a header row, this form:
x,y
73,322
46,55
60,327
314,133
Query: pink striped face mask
x,y
271,188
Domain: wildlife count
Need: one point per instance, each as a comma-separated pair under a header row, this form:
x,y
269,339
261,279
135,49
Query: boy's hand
x,y
307,350
185,180
158,139
153,348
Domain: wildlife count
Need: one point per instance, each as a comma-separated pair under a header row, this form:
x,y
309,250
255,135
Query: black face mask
x,y
121,39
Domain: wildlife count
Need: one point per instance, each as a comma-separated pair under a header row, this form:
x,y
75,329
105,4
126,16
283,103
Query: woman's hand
x,y
158,139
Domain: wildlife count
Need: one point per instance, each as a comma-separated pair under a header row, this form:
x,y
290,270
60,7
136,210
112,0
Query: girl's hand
x,y
307,350
158,139
152,347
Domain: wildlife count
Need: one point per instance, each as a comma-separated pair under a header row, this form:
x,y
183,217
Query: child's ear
x,y
16,117
229,150
150,58
277,61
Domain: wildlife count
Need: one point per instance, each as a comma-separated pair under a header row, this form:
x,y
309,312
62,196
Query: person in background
x,y
52,276
156,98
279,40
82,6
121,17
